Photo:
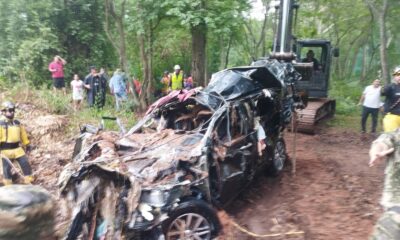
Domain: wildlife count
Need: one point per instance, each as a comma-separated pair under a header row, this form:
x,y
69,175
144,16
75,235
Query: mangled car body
x,y
192,152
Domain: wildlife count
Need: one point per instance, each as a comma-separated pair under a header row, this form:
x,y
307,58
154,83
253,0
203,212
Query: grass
x,y
347,116
348,113
57,103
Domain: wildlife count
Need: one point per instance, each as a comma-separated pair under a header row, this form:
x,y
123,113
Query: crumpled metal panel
x,y
236,82
170,148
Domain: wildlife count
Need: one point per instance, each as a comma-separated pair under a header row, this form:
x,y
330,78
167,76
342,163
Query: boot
x,y
28,179
7,182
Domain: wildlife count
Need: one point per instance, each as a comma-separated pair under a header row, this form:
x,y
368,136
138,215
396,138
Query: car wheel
x,y
279,159
193,219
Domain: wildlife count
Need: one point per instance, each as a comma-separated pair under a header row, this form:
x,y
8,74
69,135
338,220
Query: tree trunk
x,y
228,51
145,69
364,63
383,49
199,35
352,62
150,88
119,43
380,14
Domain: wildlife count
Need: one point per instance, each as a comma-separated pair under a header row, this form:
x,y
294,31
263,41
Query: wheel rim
x,y
189,226
280,157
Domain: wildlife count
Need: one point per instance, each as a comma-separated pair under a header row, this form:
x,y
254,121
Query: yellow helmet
x,y
7,105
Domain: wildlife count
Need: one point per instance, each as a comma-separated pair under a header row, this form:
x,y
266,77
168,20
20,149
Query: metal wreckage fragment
x,y
190,149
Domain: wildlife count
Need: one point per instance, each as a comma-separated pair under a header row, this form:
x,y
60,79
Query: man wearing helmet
x,y
391,121
12,136
176,82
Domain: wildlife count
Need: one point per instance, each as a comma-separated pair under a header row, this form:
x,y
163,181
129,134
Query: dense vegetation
x,y
146,37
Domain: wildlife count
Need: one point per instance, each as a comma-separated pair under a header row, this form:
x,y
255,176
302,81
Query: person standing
x,y
12,137
118,87
137,86
96,88
165,83
56,67
176,82
311,59
386,147
188,82
77,92
371,102
391,121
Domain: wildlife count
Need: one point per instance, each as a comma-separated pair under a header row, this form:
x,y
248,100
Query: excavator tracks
x,y
316,110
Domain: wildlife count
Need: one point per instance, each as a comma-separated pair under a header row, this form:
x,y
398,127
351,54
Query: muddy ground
x,y
333,195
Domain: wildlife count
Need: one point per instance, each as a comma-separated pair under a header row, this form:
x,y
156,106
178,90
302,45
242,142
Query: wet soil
x,y
333,194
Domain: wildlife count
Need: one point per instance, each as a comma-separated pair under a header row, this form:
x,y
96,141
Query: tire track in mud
x,y
334,194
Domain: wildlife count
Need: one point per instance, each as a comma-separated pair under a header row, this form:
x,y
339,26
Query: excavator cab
x,y
312,59
315,76
313,62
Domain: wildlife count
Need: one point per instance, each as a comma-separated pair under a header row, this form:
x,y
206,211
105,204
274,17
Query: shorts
x,y
77,96
59,82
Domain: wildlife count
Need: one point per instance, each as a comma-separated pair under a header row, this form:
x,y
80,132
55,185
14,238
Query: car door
x,y
237,140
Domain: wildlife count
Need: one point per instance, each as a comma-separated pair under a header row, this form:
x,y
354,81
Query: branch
x,y
376,11
253,38
262,37
107,23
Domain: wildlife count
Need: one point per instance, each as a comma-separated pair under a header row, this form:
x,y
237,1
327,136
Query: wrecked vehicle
x,y
192,152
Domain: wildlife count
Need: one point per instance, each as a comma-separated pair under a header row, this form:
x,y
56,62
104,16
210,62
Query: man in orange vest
x,y
176,82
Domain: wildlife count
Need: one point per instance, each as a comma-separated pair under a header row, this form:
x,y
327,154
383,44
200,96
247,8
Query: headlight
x,y
155,198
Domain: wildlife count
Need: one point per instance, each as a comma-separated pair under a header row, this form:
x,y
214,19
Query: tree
x,y
79,28
25,40
256,43
200,16
117,40
379,11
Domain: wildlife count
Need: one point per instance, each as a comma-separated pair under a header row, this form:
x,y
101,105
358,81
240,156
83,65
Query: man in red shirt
x,y
56,67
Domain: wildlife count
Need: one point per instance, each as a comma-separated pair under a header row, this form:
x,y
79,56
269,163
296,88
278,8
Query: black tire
x,y
279,159
204,218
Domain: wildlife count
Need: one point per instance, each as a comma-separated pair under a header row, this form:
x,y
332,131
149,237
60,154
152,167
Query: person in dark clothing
x,y
391,121
95,84
310,58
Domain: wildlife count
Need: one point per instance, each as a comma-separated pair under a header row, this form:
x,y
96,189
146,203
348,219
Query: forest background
x,y
147,37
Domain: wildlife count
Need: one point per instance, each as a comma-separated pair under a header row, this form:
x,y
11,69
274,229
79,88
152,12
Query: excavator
x,y
312,59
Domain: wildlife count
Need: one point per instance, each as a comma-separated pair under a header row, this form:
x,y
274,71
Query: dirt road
x,y
333,195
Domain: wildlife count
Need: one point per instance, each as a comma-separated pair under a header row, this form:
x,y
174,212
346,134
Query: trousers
x,y
364,116
22,161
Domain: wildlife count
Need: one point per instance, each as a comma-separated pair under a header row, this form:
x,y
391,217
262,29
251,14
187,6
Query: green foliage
x,y
33,32
57,103
350,122
347,95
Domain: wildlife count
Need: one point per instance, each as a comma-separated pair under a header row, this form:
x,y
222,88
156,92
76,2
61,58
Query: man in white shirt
x,y
371,102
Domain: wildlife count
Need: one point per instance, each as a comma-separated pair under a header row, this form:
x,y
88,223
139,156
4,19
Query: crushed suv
x,y
192,153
